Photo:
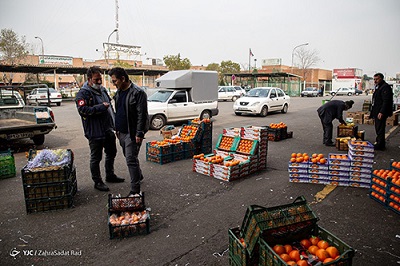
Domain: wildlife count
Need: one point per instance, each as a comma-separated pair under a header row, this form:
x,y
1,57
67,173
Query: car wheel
x,y
157,122
333,94
58,104
357,94
349,94
205,115
38,139
264,111
284,109
237,113
302,95
234,98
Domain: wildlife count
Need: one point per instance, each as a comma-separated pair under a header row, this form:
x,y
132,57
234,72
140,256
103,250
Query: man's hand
x,y
106,104
139,140
380,116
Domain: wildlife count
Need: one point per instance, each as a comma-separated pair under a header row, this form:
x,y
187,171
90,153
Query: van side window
x,y
180,97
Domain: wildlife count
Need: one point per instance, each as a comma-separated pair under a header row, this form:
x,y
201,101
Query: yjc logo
x,y
14,252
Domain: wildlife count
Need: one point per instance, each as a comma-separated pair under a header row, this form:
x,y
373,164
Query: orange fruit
x,y
292,160
328,260
288,248
322,160
285,257
302,263
279,249
294,255
332,251
305,243
322,254
323,244
313,249
314,240
291,263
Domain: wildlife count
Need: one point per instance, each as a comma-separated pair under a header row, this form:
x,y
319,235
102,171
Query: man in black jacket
x,y
330,111
94,107
382,108
131,122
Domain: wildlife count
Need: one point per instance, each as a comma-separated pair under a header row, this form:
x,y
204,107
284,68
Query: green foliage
x,y
122,64
229,67
12,48
174,62
213,67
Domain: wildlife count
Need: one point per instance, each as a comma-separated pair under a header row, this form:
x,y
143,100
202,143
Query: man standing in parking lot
x,y
382,108
131,122
330,111
94,107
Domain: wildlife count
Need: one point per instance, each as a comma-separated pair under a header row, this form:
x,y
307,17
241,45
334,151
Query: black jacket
x,y
97,119
332,110
136,106
382,101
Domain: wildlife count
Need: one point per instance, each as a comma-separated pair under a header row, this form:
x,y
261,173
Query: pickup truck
x,y
183,95
18,121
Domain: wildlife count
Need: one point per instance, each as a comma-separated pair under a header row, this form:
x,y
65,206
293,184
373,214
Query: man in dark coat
x,y
382,108
330,111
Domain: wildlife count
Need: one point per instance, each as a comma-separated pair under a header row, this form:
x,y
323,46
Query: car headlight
x,y
254,104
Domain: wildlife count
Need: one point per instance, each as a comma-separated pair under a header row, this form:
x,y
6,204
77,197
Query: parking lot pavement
x,y
191,213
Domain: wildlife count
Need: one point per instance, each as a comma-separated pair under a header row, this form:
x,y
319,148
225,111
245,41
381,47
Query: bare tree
x,y
12,47
306,59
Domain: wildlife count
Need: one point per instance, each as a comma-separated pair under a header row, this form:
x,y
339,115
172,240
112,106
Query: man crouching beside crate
x,y
330,111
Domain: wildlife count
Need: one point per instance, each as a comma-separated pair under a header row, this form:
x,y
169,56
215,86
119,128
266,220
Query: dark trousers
x,y
131,151
328,131
380,129
96,154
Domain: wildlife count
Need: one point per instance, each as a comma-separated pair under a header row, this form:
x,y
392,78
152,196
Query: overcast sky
x,y
346,33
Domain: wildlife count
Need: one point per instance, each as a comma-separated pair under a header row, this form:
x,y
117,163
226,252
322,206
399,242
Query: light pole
x,y
108,41
37,37
304,44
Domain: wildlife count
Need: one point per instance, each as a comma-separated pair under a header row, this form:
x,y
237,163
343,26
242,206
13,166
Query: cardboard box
x,y
168,131
368,121
358,121
350,114
392,122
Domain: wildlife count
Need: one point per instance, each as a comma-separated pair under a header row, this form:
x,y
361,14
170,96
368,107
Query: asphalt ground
x,y
191,213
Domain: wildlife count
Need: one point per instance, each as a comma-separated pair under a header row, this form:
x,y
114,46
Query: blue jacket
x,y
97,119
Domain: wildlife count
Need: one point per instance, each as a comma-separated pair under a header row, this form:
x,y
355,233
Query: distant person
x,y
131,122
382,108
322,88
330,111
94,107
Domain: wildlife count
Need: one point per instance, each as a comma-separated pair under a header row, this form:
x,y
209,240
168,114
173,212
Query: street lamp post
x,y
108,49
304,44
37,37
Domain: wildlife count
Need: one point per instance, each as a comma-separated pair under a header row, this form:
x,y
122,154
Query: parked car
x,y
311,92
40,96
261,100
228,93
343,91
240,90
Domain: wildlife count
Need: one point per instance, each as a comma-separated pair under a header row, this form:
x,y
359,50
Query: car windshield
x,y
309,89
44,90
257,92
160,96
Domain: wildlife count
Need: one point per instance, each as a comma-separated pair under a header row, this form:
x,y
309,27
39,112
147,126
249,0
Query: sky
x,y
360,34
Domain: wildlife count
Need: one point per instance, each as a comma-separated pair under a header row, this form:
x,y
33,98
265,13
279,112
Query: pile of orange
x,y
279,125
199,156
361,143
314,246
378,196
198,121
211,159
339,156
188,131
156,143
226,143
245,146
173,141
231,163
385,173
396,165
304,157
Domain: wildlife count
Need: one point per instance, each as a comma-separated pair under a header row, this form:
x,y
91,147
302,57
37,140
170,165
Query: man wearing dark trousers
x,y
330,111
382,108
94,107
131,122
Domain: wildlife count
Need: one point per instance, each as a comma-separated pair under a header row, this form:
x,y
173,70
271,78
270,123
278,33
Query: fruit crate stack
x,y
385,186
261,135
7,164
49,180
159,152
204,143
278,132
128,216
267,232
361,154
349,130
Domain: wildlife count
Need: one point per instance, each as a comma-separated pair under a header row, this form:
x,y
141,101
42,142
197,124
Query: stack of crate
x,y
7,164
261,135
51,187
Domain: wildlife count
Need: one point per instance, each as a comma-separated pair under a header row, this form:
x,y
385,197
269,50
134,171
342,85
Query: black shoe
x,y
330,144
101,186
141,178
114,179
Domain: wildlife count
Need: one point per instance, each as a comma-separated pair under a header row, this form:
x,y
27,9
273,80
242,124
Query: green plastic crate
x,y
238,255
7,164
270,258
276,221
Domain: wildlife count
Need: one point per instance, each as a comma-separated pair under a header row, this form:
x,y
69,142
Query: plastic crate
x,y
160,159
238,255
129,227
275,134
42,115
177,156
50,204
154,149
189,132
46,175
50,190
276,221
7,165
133,203
243,143
270,258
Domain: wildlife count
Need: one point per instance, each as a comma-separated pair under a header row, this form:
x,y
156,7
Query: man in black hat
x,y
330,111
382,108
